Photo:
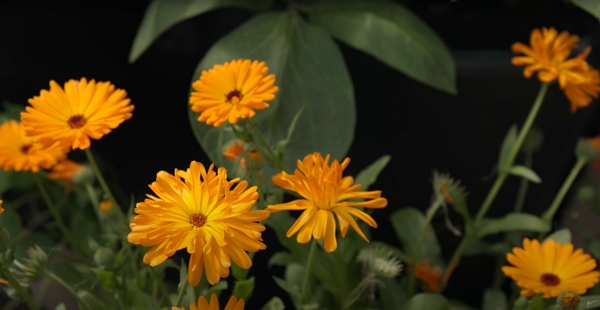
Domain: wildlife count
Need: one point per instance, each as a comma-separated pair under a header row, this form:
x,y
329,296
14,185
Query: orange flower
x,y
232,91
65,171
1,209
72,116
203,304
233,151
20,153
429,275
324,193
580,94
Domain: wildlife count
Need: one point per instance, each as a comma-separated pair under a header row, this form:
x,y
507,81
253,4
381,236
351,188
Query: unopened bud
x,y
106,205
588,149
254,160
568,300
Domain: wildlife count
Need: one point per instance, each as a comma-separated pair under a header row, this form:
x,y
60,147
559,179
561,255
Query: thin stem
x,y
95,202
435,205
68,288
180,296
20,290
104,185
524,185
455,257
56,214
307,272
549,214
513,153
359,289
265,145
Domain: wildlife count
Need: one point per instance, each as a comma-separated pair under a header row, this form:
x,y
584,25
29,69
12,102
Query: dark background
x,y
423,129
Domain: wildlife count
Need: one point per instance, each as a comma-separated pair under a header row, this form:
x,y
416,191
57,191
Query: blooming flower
x,y
233,151
325,193
580,94
20,153
232,91
429,275
72,116
203,304
550,268
198,210
65,171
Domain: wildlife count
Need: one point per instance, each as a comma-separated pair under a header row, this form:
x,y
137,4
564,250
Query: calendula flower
x,y
568,300
550,268
19,152
232,91
580,94
203,304
325,193
198,210
429,275
72,116
1,209
65,171
233,151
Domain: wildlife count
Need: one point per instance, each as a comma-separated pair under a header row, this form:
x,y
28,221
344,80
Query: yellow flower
x,y
64,171
233,151
203,304
429,275
550,268
580,94
232,91
325,193
72,116
20,153
198,210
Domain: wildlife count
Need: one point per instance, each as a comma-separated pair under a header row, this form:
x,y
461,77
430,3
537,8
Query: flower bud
x,y
33,267
588,149
586,194
104,257
254,160
568,300
106,205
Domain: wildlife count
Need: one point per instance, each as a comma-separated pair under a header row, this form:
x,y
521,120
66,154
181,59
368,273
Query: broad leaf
x,y
293,290
494,299
560,236
525,173
427,301
512,221
243,289
163,14
408,224
368,176
590,6
310,73
509,142
589,302
392,34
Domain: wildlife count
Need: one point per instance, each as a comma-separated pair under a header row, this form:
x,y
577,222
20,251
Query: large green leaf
x,y
560,236
427,301
310,73
163,14
512,221
408,224
243,289
392,34
590,6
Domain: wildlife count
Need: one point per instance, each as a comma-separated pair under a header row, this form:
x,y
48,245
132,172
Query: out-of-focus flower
x,y
325,193
429,275
233,151
203,304
198,210
72,116
580,94
232,91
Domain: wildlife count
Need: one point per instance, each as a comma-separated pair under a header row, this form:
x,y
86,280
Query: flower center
x,y
550,279
234,97
198,220
570,300
25,148
76,121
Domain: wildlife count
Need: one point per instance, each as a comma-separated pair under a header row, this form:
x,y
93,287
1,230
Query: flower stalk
x,y
265,145
20,290
68,288
308,271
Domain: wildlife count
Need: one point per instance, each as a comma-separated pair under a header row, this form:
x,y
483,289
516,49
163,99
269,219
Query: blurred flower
x,y
580,94
20,153
1,209
233,151
568,300
106,205
589,150
32,267
429,275
197,209
64,171
550,268
232,91
203,304
325,193
72,116
254,160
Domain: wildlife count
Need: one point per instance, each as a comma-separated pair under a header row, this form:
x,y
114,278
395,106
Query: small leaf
x,y
243,289
560,236
521,304
509,142
274,304
293,290
216,289
526,173
538,302
92,302
427,301
281,259
392,34
590,6
512,221
283,143
408,224
163,14
494,299
368,176
589,302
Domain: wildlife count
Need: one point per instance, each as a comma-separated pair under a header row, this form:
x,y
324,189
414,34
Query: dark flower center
x,y
76,121
25,148
234,96
198,220
550,279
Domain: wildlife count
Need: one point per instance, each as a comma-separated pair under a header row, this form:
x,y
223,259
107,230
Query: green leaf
x,y
274,304
391,294
216,289
163,14
281,259
310,73
243,289
427,301
283,143
368,176
509,142
392,34
512,221
92,302
525,173
182,277
494,299
538,302
521,304
560,236
408,224
590,6
61,306
293,290
589,302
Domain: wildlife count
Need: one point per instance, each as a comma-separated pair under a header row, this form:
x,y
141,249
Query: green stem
x,y
265,145
513,153
104,186
68,288
20,290
180,295
435,205
56,214
307,272
549,214
455,257
358,290
524,185
95,202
